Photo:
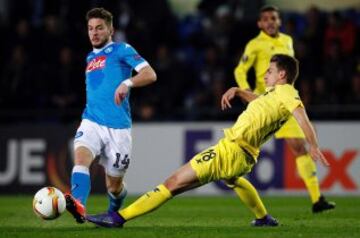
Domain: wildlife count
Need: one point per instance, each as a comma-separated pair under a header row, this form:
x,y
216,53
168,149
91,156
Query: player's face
x,y
273,75
270,23
99,32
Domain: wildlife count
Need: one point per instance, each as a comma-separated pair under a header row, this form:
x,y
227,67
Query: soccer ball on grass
x,y
49,203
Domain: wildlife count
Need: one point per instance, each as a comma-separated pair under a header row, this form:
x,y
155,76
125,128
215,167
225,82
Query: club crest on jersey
x,y
96,63
79,134
244,58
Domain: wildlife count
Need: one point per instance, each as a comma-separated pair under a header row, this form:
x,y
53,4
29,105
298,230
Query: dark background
x,y
44,45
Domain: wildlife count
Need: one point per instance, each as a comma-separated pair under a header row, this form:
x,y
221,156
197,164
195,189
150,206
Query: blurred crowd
x,y
44,45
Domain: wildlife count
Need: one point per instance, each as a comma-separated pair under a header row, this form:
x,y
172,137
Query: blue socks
x,y
80,188
80,183
117,201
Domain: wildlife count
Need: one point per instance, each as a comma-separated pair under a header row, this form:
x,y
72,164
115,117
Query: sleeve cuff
x,y
141,65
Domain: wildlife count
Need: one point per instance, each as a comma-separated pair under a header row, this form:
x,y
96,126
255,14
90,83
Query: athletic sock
x,y
80,183
307,171
249,196
116,201
147,203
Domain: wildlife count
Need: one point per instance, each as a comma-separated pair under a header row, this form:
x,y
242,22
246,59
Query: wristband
x,y
128,83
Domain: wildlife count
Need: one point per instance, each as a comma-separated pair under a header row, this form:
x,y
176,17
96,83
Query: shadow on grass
x,y
133,228
10,229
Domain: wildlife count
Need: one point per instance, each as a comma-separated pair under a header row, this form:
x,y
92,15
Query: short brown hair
x,y
100,13
268,8
289,64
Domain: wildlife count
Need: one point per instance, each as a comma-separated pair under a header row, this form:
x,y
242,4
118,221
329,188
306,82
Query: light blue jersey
x,y
106,69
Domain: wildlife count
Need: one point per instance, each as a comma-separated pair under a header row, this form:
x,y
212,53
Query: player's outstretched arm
x,y
246,95
144,77
310,134
227,97
245,63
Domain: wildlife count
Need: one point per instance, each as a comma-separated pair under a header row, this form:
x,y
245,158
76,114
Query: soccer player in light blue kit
x,y
105,129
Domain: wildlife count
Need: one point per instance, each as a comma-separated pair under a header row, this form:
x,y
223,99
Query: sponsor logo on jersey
x,y
96,63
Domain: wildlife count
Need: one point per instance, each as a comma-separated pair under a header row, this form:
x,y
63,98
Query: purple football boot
x,y
109,220
265,221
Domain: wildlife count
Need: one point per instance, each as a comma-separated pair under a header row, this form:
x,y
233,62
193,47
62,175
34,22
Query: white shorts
x,y
112,145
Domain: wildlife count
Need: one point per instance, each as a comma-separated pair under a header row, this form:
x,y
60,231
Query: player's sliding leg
x,y
307,170
203,168
250,197
182,180
80,184
147,203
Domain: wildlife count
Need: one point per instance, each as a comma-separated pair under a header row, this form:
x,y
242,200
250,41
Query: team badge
x,y
79,134
244,58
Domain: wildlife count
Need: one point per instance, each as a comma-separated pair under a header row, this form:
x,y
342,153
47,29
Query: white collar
x,y
95,50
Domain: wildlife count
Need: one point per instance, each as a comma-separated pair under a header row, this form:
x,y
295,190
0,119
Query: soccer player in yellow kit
x,y
257,54
235,154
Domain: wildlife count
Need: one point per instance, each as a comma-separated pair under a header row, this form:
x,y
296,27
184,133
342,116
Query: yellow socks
x,y
249,196
307,171
146,203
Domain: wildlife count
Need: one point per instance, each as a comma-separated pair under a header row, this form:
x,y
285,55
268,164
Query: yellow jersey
x,y
258,53
263,117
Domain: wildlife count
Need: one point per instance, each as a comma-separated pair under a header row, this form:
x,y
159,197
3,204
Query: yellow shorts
x,y
225,160
290,129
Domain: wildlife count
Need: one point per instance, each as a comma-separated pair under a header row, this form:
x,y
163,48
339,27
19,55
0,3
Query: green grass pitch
x,y
184,216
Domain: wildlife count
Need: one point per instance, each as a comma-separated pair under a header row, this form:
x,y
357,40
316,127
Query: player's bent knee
x,y
297,146
300,150
83,156
82,161
230,183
